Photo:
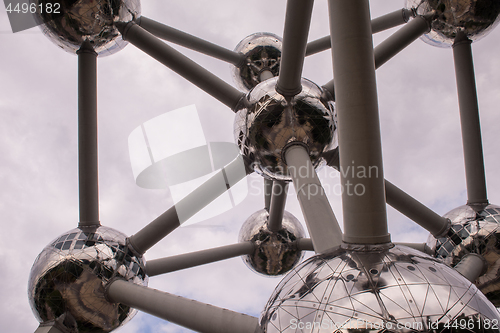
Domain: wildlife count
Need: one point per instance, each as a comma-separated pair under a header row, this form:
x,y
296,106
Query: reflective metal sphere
x,y
262,52
73,22
69,275
384,290
473,231
476,18
265,123
275,252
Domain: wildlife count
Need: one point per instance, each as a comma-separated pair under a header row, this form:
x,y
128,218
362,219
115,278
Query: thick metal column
x,y
469,118
472,266
187,207
297,22
391,20
437,225
188,260
277,207
400,39
180,64
361,168
320,219
194,315
422,247
87,137
184,39
381,23
268,191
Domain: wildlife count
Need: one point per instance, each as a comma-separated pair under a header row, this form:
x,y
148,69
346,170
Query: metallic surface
x,y
379,24
360,146
297,22
380,290
87,20
188,260
469,121
321,221
88,168
261,52
415,210
400,39
474,230
275,252
194,315
476,18
69,275
266,122
195,201
192,42
181,64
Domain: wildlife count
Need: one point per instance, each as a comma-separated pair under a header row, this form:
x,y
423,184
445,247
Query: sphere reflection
x,y
74,22
68,278
266,122
261,52
473,231
476,18
383,290
275,252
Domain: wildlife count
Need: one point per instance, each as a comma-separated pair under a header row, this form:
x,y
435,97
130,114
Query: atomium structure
x,y
90,279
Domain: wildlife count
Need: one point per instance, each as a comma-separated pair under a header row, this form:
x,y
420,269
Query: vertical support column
x,y
87,137
469,118
277,205
363,198
268,191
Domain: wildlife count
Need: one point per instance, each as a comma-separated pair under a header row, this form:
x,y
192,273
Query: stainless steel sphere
x,y
275,253
473,231
68,278
262,55
266,122
476,18
69,23
383,290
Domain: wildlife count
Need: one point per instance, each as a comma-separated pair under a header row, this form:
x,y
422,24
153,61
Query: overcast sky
x,y
38,158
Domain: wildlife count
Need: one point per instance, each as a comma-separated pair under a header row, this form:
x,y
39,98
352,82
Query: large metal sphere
x,y
275,253
473,231
68,279
476,18
266,122
384,290
74,22
261,52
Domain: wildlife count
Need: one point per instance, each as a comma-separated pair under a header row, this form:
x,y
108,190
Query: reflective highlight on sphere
x,y
473,231
476,18
69,275
391,290
275,252
265,123
262,52
77,21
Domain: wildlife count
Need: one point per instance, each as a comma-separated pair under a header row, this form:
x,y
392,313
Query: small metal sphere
x,y
473,230
275,252
266,122
394,289
262,53
475,18
69,276
69,23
